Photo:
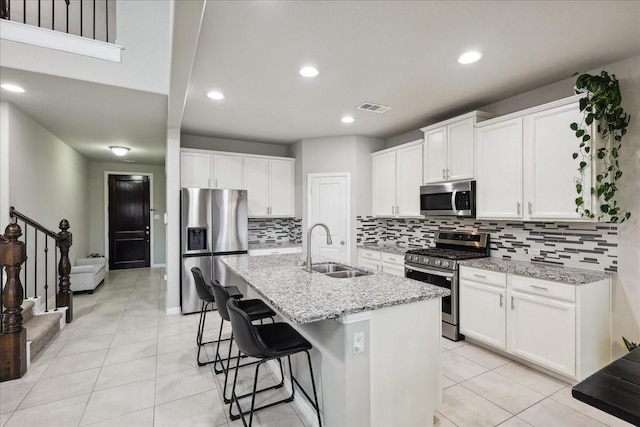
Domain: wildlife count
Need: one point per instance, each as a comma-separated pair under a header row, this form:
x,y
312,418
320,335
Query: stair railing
x,y
93,23
35,233
13,337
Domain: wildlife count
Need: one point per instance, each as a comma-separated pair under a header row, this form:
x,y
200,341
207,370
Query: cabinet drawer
x,y
489,277
369,254
544,287
393,259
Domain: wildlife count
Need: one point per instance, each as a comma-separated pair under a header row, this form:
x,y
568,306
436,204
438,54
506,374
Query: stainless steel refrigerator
x,y
214,223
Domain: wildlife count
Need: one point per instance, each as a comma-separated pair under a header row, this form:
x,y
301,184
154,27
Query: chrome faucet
x,y
308,265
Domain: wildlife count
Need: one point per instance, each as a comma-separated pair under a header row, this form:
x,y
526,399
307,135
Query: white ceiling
x,y
396,53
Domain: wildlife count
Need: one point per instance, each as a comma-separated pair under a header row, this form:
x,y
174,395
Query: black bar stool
x,y
206,296
266,342
255,309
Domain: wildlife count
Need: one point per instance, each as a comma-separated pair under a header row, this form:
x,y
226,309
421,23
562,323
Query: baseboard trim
x,y
158,265
170,311
301,402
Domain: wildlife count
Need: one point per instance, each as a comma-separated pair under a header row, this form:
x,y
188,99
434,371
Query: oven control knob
x,y
438,262
445,263
415,258
426,260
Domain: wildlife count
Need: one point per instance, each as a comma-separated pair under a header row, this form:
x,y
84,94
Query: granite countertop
x,y
575,276
274,245
304,297
391,249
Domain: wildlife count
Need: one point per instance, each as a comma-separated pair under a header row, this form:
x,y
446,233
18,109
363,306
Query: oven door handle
x,y
446,274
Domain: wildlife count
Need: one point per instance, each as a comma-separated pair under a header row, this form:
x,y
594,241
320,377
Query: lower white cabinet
x,y
483,317
369,258
558,326
275,251
543,330
381,261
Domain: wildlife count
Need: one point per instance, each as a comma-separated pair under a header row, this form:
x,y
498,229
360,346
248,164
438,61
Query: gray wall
x,y
97,207
233,145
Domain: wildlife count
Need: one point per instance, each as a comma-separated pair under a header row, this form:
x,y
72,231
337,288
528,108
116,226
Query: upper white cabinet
x,y
270,185
524,165
269,181
397,176
227,171
448,148
195,170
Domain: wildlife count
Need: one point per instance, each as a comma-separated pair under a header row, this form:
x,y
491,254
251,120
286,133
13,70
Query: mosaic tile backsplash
x,y
582,245
275,230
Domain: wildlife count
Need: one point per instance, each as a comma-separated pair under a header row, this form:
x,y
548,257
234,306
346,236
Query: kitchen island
x,y
391,377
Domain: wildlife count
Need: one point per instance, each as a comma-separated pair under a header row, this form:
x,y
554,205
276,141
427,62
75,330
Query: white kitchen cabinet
x,y
397,176
275,251
227,171
392,263
195,170
448,148
549,169
482,313
524,165
369,258
558,326
543,331
499,170
270,186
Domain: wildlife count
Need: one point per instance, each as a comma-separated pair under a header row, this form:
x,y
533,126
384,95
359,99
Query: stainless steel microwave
x,y
454,198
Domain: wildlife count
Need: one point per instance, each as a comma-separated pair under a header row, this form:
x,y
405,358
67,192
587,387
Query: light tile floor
x,y
123,362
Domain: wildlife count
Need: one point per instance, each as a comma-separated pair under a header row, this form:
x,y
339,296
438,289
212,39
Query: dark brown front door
x,y
129,232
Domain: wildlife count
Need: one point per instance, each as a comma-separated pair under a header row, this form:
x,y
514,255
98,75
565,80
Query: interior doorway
x,y
328,202
128,221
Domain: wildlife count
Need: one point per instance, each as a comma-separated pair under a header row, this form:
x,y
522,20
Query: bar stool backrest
x,y
244,332
221,296
204,292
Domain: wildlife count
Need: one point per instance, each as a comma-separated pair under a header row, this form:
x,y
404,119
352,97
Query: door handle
x,y
518,207
513,302
397,210
444,173
342,242
530,208
393,210
501,300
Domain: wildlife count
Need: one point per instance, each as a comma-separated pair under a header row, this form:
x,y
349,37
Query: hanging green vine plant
x,y
601,106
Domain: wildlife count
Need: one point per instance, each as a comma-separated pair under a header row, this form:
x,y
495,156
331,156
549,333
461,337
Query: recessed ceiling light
x,y
119,150
469,57
12,88
309,71
347,119
215,95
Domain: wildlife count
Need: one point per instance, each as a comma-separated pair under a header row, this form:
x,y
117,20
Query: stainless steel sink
x,y
338,271
329,267
348,274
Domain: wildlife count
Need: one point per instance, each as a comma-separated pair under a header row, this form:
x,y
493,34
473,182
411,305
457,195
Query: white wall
x,y
143,29
233,145
337,154
172,171
97,208
47,179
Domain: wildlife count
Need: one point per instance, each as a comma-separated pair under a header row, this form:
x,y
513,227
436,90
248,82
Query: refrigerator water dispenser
x,y
197,238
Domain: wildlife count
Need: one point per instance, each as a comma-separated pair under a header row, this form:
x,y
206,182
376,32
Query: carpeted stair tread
x,y
27,310
40,329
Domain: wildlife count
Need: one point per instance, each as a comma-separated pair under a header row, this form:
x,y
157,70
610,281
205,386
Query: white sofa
x,y
87,274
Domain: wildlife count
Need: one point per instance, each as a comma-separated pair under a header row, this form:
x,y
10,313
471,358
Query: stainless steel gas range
x,y
439,266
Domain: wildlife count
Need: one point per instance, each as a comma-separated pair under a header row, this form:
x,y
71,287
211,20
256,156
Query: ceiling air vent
x,y
374,108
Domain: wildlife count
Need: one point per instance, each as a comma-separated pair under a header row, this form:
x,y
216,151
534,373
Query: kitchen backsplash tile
x,y
582,245
275,230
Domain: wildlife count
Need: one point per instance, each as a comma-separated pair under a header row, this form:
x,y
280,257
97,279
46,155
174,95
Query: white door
x,y
227,172
550,170
460,146
482,313
195,170
543,331
408,180
384,184
329,204
281,188
498,149
256,178
435,155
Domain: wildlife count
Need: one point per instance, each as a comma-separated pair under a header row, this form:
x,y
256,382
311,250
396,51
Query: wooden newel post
x,y
13,340
64,298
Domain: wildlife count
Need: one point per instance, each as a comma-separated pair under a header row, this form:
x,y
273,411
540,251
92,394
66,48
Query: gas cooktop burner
x,y
446,253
